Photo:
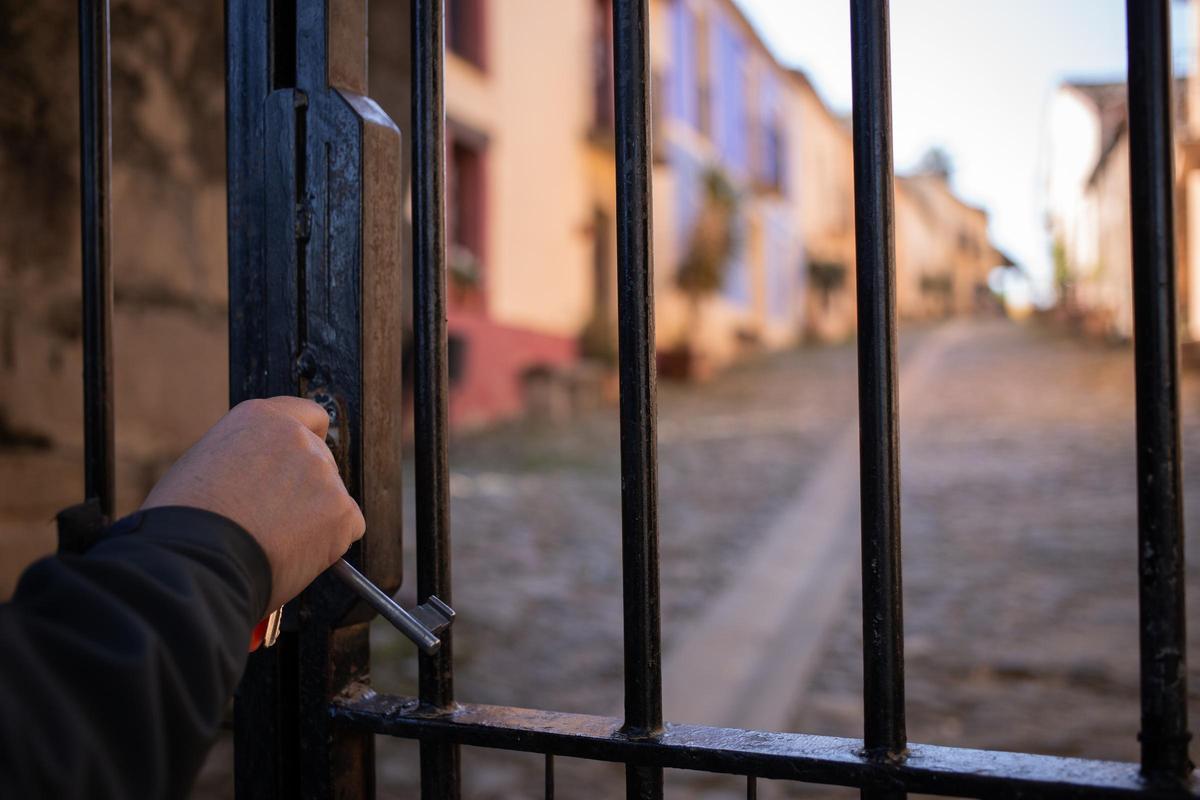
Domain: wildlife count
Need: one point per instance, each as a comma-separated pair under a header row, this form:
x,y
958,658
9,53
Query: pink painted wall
x,y
489,388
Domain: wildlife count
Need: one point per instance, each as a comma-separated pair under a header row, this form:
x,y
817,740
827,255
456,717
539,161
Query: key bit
x,y
422,626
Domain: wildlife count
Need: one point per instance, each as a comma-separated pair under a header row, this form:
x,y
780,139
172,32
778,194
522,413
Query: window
x,y
599,337
658,139
603,265
465,28
466,212
602,65
690,92
774,160
703,72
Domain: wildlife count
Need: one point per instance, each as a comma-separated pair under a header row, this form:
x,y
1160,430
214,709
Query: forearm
x,y
118,663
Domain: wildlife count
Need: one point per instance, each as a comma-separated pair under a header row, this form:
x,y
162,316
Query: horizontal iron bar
x,y
953,771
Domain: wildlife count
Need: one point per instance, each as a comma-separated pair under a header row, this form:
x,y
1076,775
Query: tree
x,y
936,161
712,245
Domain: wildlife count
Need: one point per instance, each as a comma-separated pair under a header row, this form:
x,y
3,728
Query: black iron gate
x,y
314,211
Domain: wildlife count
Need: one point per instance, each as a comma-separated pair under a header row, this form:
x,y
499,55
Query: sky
x,y
974,77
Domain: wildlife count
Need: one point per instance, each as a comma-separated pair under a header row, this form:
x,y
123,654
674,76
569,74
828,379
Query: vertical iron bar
x,y
264,711
883,636
1164,735
95,152
751,788
639,464
439,761
549,793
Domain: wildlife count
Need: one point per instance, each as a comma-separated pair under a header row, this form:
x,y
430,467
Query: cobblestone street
x,y
536,515
1020,528
1019,522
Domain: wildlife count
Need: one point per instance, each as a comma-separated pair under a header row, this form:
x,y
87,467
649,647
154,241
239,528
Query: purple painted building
x,y
726,109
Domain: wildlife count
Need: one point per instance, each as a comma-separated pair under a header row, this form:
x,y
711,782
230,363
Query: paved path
x,y
748,659
1020,553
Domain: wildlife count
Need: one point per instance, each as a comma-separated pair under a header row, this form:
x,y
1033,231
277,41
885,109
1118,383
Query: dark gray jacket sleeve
x,y
116,665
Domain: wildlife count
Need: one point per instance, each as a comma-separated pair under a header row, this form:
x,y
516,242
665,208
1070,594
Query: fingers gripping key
x,y
422,626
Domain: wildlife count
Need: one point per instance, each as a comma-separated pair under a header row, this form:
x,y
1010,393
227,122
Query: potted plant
x,y
464,275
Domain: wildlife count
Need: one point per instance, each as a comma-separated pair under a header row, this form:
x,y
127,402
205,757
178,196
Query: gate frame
x,y
305,713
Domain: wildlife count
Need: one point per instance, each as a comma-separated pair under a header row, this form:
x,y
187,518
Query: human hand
x,y
265,466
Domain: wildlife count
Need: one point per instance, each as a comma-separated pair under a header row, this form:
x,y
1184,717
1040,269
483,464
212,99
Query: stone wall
x,y
168,249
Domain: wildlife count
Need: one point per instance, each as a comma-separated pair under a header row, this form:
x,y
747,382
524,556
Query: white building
x,y
1083,123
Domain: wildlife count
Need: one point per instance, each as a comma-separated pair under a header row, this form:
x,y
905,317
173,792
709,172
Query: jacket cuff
x,y
189,527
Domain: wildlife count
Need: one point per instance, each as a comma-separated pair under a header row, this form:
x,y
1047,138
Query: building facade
x,y
1089,213
519,214
743,146
727,115
943,255
1088,210
1087,205
753,200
